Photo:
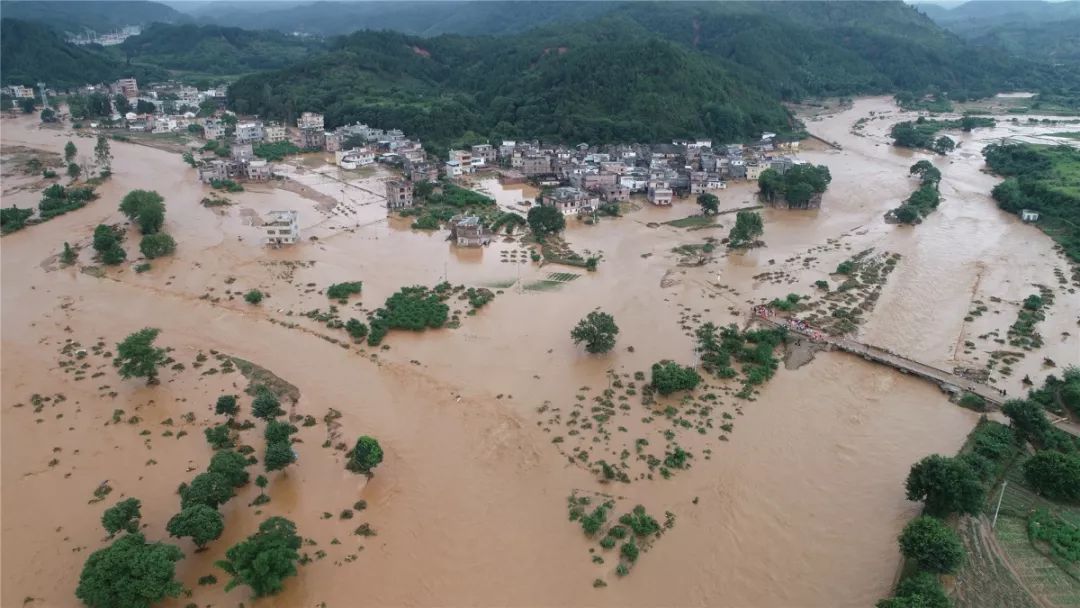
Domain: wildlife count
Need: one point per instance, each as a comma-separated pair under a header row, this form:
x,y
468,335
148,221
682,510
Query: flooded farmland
x,y
798,504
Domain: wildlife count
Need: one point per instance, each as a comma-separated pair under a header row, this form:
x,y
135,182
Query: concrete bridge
x,y
948,381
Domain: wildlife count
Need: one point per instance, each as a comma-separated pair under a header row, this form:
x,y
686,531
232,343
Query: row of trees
x,y
924,200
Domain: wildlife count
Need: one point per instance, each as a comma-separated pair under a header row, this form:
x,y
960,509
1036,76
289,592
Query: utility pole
x,y
1000,496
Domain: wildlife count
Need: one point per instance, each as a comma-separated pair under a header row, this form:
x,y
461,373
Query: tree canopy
x,y
597,330
137,357
200,522
265,559
932,544
748,227
130,573
365,455
544,220
123,516
945,485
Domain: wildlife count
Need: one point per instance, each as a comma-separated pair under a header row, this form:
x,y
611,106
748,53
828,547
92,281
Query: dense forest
x,y
591,82
212,49
31,53
1045,179
99,15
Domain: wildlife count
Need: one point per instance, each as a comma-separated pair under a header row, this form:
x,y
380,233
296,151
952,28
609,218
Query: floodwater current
x,y
799,506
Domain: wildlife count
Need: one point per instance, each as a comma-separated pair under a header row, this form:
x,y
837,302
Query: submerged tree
x,y
137,357
748,227
103,155
544,220
709,203
200,522
69,152
365,455
597,330
130,573
265,559
124,515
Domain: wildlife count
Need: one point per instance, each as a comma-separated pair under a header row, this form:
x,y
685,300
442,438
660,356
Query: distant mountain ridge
x,y
66,16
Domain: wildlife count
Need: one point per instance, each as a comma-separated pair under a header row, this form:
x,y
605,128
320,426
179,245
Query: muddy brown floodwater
x,y
799,505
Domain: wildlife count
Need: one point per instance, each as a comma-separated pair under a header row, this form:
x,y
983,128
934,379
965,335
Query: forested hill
x,y
212,49
31,53
1043,31
99,15
601,81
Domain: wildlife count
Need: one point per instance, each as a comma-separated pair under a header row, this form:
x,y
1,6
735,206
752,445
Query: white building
x,y
274,133
310,120
1029,216
281,228
249,132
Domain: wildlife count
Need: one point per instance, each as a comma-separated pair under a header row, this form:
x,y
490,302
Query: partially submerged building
x,y
281,228
399,194
467,231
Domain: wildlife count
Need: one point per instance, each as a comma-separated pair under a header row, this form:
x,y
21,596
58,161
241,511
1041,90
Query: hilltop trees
x,y
130,573
945,485
137,357
265,559
597,330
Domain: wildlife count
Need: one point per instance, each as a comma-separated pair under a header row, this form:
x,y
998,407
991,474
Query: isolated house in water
x,y
467,231
281,228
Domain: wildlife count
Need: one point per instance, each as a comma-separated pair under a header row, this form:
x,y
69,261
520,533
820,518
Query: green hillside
x,y
99,15
211,49
31,53
592,82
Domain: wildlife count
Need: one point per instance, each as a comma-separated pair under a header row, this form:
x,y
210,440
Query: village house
x,y
453,168
660,193
467,231
356,157
214,170
635,180
258,170
274,133
127,87
311,139
281,228
535,165
20,92
569,200
1028,215
213,128
399,194
464,159
753,170
421,171
485,152
614,193
242,152
310,120
595,181
249,132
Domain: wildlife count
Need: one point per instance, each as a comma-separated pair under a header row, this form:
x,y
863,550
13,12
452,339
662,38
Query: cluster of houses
x,y
581,178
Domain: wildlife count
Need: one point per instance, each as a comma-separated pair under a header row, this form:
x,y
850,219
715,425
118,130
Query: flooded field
x,y
797,504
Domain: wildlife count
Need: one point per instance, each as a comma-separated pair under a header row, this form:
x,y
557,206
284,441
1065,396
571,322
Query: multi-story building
x,y
569,200
275,133
281,228
535,165
249,132
660,194
595,181
333,140
614,193
258,170
213,128
468,231
312,139
310,120
128,87
486,152
242,152
399,194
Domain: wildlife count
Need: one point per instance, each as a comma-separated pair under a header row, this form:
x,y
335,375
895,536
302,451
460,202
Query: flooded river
x,y
799,505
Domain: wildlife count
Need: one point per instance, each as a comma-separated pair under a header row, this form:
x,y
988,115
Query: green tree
x,y
748,227
597,330
48,115
920,591
113,255
945,485
709,203
189,158
231,465
69,152
265,559
146,208
68,257
157,245
669,377
137,357
277,430
253,297
102,154
544,220
210,489
28,105
73,171
124,515
123,106
278,455
261,482
266,405
365,455
227,405
932,544
1054,474
200,522
130,573
219,436
944,145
